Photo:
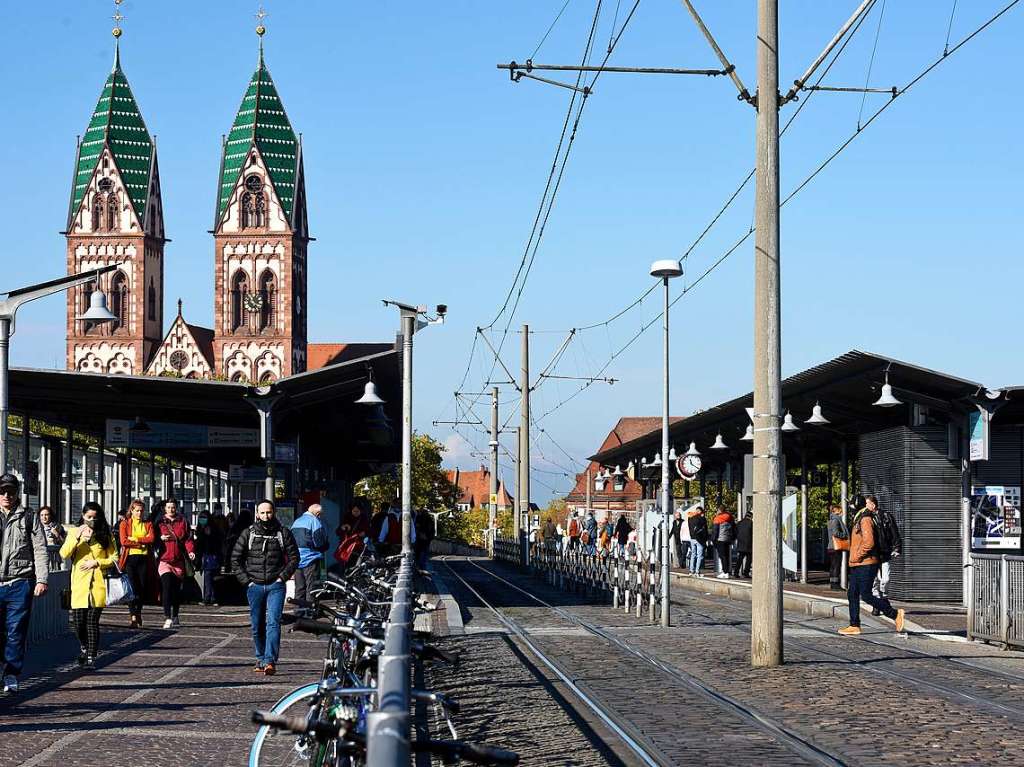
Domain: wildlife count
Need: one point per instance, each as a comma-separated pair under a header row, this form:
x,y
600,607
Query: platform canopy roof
x,y
846,388
318,408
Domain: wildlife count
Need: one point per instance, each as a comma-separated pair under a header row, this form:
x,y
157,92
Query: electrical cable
x,y
949,29
871,64
537,49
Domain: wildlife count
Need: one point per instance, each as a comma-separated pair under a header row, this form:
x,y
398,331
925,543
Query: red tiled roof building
x,y
475,489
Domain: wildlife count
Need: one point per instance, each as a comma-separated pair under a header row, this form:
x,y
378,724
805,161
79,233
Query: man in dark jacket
x,y
744,546
698,524
674,536
264,557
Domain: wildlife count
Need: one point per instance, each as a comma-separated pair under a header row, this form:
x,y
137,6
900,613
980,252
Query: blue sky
x,y
425,166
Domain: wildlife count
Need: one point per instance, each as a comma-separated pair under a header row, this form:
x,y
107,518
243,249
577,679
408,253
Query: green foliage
x,y
431,488
468,526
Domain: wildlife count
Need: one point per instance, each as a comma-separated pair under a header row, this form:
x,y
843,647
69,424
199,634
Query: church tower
x,y
115,216
260,238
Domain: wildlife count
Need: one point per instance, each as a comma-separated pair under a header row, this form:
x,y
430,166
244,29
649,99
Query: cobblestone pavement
x,y
178,698
881,700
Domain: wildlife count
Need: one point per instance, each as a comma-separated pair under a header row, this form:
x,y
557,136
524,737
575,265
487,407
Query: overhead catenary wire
x,y
871,64
842,146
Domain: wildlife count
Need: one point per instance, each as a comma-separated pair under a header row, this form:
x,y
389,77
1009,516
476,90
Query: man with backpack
x,y
864,562
574,531
24,569
890,544
264,557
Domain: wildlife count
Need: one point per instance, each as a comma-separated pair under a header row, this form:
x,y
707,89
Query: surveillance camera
x,y
442,309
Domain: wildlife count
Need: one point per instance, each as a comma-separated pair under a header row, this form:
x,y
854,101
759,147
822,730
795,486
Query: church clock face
x,y
253,183
179,360
253,302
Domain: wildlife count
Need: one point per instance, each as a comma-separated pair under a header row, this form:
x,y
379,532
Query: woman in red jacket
x,y
136,542
176,554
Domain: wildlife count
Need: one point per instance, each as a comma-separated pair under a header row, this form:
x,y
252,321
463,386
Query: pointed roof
x,y
116,123
261,121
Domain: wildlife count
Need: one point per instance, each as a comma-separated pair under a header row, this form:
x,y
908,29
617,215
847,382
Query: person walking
x,y
210,545
864,560
889,545
54,535
698,524
589,536
311,538
426,531
264,558
90,549
575,531
24,571
177,552
744,546
838,545
622,531
674,536
137,539
389,540
723,534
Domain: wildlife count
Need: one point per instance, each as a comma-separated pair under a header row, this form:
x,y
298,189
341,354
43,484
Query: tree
x,y
431,489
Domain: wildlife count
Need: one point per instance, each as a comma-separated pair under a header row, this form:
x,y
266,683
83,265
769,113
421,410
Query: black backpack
x,y
887,535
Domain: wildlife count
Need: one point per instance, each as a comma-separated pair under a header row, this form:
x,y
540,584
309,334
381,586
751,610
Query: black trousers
x,y
135,569
724,555
170,591
835,567
861,578
742,564
87,628
304,578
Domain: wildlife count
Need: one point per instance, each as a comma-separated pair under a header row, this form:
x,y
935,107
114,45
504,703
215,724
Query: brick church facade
x,y
260,234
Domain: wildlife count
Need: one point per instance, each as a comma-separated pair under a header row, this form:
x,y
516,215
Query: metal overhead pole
x,y
666,481
408,328
524,441
766,613
492,506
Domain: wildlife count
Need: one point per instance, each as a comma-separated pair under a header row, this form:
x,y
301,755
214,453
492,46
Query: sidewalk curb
x,y
794,601
446,602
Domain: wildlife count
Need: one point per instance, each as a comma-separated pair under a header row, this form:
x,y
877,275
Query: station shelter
x,y
111,437
943,454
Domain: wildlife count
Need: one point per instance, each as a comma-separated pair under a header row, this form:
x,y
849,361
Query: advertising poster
x,y
995,517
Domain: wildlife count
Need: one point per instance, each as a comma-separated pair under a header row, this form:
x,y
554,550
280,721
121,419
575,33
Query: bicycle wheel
x,y
271,748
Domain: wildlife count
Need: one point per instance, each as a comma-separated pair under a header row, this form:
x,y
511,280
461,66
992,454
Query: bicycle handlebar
x,y
450,750
299,725
319,627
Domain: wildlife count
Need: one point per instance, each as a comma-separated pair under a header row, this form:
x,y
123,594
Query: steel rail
x,y
785,736
609,718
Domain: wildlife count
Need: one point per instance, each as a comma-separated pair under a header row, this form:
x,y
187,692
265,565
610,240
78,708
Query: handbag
x,y
119,587
65,599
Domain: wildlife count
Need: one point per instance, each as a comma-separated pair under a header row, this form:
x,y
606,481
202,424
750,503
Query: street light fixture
x,y
9,306
817,419
748,435
719,443
887,399
413,318
787,423
665,270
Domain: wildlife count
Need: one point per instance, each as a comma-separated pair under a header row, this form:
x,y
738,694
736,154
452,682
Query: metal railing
x,y
632,583
388,731
995,611
506,548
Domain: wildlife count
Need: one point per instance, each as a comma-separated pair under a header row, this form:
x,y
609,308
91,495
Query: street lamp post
x,y
9,306
666,269
413,318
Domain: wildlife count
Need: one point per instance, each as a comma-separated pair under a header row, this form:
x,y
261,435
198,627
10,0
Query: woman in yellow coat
x,y
90,547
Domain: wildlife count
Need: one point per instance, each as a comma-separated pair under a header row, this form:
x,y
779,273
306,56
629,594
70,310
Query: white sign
x,y
979,434
789,525
178,435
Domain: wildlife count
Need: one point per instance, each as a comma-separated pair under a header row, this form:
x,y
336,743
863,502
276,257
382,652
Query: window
x,y
268,300
97,212
239,289
119,301
105,211
254,203
112,213
87,326
267,378
151,300
239,377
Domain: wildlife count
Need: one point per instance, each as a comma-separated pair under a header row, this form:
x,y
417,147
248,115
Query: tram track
x,y
870,663
786,738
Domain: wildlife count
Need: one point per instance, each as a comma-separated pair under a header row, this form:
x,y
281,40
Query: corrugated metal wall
x,y
1003,466
909,472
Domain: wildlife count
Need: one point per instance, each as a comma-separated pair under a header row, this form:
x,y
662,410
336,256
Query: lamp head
x,y
787,423
816,417
887,399
748,435
370,396
98,311
666,268
719,443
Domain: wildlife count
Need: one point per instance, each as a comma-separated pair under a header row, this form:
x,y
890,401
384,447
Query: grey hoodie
x,y
22,555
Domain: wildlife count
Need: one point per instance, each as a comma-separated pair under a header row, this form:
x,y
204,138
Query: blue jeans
x,y
696,556
861,579
266,603
15,609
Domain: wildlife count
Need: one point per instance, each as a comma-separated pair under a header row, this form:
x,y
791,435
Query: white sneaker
x,y
10,683
722,576
168,623
175,622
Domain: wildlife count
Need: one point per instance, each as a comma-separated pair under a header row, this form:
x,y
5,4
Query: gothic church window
x,y
119,301
151,300
254,203
268,296
239,289
87,325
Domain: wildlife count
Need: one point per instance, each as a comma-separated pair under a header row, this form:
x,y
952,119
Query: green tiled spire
x,y
261,120
117,123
